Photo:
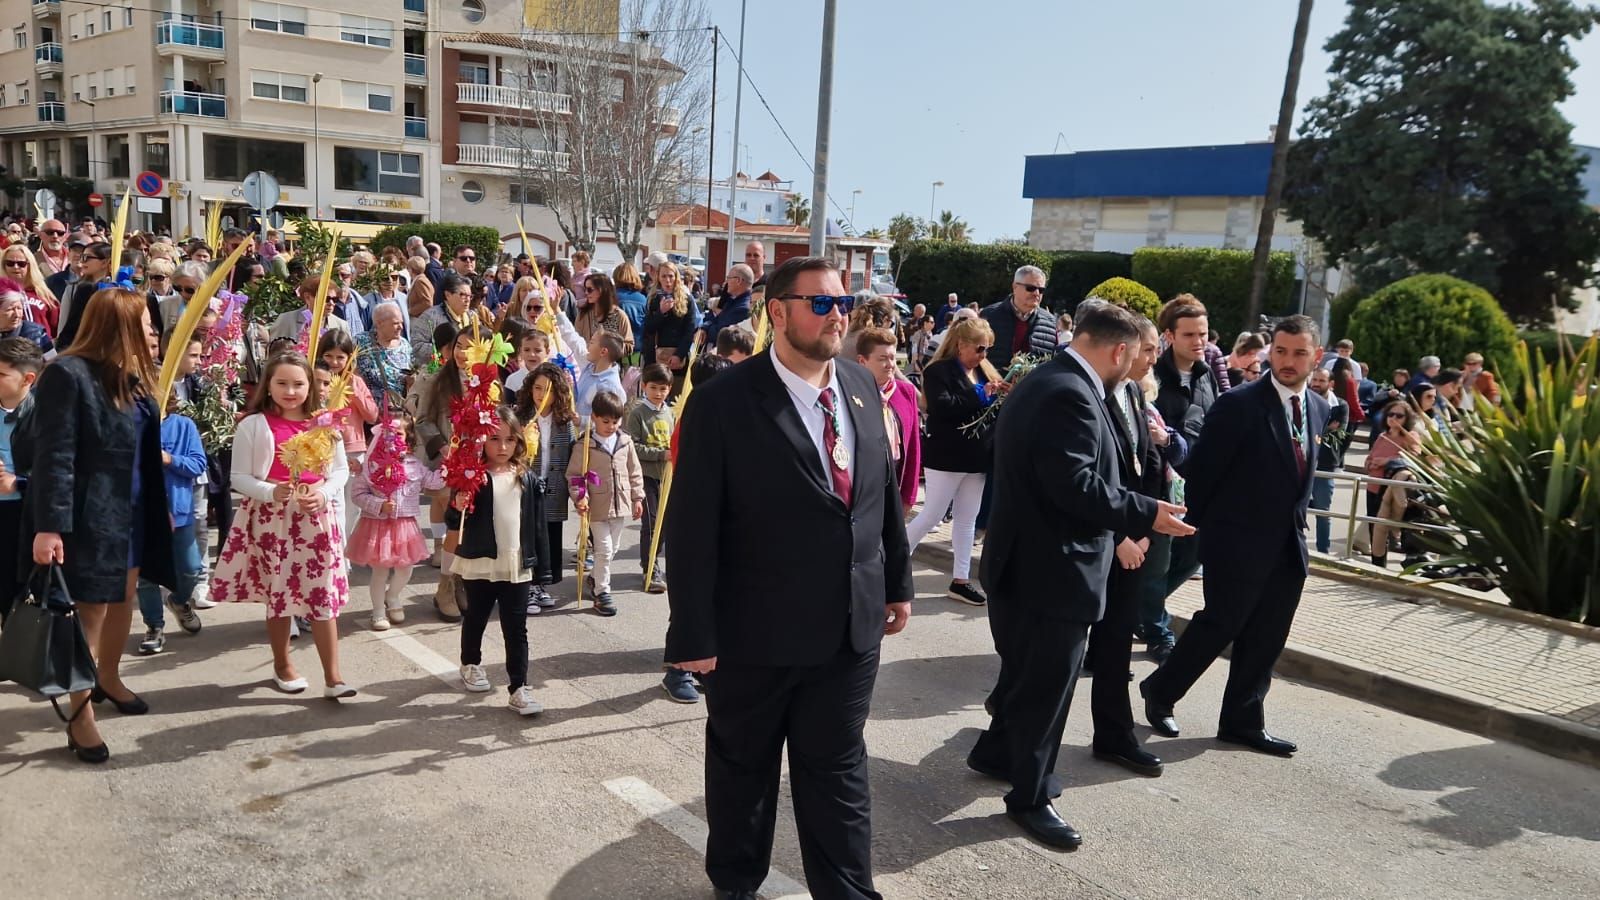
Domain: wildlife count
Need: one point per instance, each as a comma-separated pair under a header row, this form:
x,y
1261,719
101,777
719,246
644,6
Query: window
x,y
157,155
615,88
526,193
280,17
80,157
77,87
127,79
117,154
362,30
361,95
474,73
472,11
72,25
381,171
127,17
88,26
231,159
19,37
472,191
113,81
22,93
105,21
283,86
94,85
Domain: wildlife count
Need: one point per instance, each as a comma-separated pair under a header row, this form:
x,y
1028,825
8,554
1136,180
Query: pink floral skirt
x,y
289,560
387,543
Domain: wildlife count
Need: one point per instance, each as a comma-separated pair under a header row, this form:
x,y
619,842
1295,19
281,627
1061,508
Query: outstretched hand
x,y
1169,520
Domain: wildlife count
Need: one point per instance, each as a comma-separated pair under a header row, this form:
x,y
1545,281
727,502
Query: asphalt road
x,y
417,789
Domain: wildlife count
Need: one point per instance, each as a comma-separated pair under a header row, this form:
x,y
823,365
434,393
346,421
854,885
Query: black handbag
x,y
43,647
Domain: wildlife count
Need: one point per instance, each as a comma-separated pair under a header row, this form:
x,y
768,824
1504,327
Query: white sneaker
x,y
475,679
380,622
523,704
202,597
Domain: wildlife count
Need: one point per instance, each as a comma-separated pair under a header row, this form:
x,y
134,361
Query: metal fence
x,y
1357,515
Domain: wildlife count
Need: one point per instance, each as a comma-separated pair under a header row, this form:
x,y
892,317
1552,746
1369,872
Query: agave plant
x,y
1520,481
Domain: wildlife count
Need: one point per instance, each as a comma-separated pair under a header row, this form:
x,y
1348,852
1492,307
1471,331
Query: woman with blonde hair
x,y
670,323
42,307
957,386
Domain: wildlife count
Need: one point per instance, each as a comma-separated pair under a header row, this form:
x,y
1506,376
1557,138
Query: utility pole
x,y
733,179
819,182
1277,174
711,148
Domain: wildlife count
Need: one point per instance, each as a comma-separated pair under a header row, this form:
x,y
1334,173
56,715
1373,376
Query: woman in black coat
x,y
96,495
957,386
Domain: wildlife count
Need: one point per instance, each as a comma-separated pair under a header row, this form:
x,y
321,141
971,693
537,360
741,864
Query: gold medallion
x,y
841,456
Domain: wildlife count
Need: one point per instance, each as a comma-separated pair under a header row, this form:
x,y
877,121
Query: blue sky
x,y
960,93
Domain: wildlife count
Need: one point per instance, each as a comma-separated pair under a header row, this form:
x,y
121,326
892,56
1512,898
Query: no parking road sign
x,y
149,184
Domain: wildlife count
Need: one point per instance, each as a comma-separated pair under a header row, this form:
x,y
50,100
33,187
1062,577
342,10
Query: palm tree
x,y
799,212
874,234
904,228
950,228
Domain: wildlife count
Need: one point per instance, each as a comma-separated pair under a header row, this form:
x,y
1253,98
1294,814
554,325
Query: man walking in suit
x,y
1058,499
787,547
1249,482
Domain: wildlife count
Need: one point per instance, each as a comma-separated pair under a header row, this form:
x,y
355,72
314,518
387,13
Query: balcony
x,y
189,39
510,157
47,58
415,9
416,66
670,116
52,111
45,9
193,103
417,127
503,97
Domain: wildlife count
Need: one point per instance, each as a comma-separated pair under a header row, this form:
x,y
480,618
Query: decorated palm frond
x,y
1021,365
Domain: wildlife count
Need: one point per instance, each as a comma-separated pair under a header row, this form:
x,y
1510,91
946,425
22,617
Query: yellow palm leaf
x,y
119,230
179,339
319,310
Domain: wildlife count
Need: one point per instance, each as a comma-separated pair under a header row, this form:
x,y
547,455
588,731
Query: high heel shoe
x,y
95,755
134,707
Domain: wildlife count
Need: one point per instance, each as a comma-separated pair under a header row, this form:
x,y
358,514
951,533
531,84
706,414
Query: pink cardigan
x,y
362,409
407,503
904,405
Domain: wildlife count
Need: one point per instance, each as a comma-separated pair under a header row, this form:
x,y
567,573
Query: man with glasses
x,y
755,256
735,306
789,611
347,302
456,309
53,253
465,261
1021,324
293,325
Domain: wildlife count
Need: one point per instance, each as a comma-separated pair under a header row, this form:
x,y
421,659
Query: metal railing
x,y
1357,517
416,127
416,65
193,103
52,111
512,98
47,54
189,34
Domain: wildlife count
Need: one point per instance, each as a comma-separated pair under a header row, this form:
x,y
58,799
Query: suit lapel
x,y
1119,430
775,400
1107,424
1278,420
861,408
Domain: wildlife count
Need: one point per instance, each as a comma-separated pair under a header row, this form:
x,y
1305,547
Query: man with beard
x,y
787,547
1249,482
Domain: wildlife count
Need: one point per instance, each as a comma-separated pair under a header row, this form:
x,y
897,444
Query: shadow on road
x,y
1484,807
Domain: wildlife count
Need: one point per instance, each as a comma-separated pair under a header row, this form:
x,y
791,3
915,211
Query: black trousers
x,y
512,598
652,508
558,554
1039,664
1254,614
1110,654
821,712
11,555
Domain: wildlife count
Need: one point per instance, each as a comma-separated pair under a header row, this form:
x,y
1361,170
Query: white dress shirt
x,y
807,402
1094,377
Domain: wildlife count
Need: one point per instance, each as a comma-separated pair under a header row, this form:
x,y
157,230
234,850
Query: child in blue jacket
x,y
184,461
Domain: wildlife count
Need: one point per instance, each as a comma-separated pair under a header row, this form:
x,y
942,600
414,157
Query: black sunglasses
x,y
981,350
1030,288
467,258
55,232
16,264
822,304
188,290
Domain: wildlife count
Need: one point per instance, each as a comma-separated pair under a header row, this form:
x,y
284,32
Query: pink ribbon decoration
x,y
582,483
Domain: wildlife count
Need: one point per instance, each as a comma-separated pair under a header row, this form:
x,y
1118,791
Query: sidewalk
x,y
1495,677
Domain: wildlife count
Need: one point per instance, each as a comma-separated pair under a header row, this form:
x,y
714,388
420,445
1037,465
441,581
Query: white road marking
x,y
422,655
692,831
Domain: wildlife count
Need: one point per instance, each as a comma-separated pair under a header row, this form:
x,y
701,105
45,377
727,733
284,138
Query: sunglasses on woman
x,y
16,264
822,304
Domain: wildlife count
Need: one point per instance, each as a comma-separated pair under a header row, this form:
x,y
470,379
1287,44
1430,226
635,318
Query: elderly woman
x,y
41,307
385,358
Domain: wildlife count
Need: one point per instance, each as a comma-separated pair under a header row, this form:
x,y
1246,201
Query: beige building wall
x,y
1125,223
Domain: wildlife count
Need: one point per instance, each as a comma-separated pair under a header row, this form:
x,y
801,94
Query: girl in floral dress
x,y
286,547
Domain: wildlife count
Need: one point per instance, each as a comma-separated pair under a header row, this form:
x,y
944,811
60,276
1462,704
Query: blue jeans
x,y
1322,498
186,560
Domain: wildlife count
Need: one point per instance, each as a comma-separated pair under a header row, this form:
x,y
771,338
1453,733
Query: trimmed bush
x,y
1126,292
1549,342
1339,313
975,272
1433,315
1073,273
1220,278
484,241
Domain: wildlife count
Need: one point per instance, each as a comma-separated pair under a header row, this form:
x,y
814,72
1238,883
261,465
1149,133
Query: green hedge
x,y
983,272
1128,293
1430,315
1220,278
485,241
1549,343
1073,273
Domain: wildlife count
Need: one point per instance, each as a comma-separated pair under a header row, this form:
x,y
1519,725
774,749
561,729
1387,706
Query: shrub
x,y
1073,273
1430,315
485,241
1128,293
928,270
1518,482
1220,278
1549,342
1339,313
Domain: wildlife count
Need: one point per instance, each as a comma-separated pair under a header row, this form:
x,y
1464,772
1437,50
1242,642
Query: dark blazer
x,y
1058,496
769,567
1244,493
1185,408
1149,478
953,401
77,449
81,292
477,535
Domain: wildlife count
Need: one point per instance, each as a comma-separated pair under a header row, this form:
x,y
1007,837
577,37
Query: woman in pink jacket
x,y
875,349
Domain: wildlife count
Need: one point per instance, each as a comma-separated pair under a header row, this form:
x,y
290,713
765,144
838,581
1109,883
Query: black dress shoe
x,y
134,707
1046,827
1259,741
1161,717
1136,760
721,894
1052,781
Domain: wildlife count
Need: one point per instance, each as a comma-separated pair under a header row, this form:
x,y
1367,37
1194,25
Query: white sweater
x,y
254,452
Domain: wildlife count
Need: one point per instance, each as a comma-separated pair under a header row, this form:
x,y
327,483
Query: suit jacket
x,y
769,567
1058,496
1244,492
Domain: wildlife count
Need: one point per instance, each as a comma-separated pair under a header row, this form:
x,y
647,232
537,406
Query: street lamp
x,y
853,195
931,200
94,126
316,150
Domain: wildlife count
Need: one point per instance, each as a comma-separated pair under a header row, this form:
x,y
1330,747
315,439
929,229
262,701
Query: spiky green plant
x,y
1520,480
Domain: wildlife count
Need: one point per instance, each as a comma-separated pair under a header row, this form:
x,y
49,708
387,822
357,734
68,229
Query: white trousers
x,y
606,535
966,490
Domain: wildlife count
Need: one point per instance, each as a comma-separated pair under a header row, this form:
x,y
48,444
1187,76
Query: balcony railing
x,y
173,33
417,127
510,157
416,65
500,95
52,111
670,116
47,54
46,8
414,8
193,103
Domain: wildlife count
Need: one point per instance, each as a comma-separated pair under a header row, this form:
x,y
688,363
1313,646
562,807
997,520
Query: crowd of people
x,y
1068,446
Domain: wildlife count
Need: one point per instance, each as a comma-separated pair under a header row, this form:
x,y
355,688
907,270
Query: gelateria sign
x,y
384,202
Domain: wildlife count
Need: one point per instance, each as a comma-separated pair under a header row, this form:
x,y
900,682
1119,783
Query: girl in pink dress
x,y
387,538
286,547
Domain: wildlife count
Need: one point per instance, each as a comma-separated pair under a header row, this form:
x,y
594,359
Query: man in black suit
x,y
787,546
1249,482
1058,499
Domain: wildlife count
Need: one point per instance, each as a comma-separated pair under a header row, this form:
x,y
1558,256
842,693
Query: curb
x,y
1435,702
